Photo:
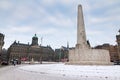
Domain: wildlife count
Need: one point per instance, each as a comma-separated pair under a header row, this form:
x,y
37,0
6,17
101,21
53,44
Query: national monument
x,y
82,54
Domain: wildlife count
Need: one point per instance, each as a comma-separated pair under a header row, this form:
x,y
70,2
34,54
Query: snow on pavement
x,y
70,71
60,72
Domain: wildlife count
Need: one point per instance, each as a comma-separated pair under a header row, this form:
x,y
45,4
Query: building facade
x,y
4,57
112,50
61,54
31,51
1,41
1,45
118,43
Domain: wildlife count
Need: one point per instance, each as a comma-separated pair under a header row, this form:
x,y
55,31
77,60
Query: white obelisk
x,y
82,54
81,36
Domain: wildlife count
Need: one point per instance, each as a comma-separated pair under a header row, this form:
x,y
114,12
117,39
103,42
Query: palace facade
x,y
31,51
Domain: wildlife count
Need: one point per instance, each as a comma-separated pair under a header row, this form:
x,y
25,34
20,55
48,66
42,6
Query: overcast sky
x,y
56,21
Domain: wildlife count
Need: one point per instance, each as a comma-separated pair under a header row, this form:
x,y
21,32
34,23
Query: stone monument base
x,y
88,63
86,56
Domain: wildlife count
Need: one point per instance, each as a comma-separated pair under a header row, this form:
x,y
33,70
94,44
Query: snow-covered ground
x,y
59,71
75,72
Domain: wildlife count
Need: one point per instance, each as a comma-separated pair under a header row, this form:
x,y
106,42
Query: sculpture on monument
x,y
83,54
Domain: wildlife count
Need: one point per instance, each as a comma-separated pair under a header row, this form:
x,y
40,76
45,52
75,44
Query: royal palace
x,y
28,51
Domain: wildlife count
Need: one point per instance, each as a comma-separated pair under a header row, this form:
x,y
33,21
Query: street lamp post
x,y
41,52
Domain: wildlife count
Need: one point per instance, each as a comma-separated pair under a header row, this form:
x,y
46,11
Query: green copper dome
x,y
35,36
34,40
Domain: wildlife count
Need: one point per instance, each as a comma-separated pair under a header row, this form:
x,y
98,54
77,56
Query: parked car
x,y
4,63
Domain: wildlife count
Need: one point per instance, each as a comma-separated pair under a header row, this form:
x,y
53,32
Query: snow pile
x,y
106,72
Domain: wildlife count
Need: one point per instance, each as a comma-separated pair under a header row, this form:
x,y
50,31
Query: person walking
x,y
14,62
